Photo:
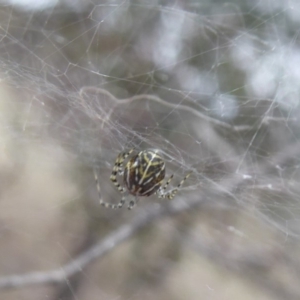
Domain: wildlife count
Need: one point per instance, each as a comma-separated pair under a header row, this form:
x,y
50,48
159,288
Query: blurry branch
x,y
104,246
145,97
193,111
148,216
101,93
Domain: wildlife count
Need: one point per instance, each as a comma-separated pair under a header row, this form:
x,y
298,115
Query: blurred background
x,y
214,85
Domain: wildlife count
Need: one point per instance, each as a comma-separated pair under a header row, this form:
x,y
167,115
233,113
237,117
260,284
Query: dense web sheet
x,y
213,85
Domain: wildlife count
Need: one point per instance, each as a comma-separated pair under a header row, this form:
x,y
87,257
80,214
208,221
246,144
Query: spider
x,y
143,175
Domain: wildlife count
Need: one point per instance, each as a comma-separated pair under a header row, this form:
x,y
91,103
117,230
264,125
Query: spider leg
x,y
118,169
161,191
132,203
107,204
170,195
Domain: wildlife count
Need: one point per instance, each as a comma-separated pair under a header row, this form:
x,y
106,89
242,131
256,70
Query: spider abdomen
x,y
144,173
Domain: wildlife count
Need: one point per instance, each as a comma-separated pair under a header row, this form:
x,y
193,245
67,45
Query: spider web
x,y
214,86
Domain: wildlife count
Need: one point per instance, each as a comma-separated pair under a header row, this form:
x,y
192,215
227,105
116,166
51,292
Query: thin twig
x,y
98,250
153,98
